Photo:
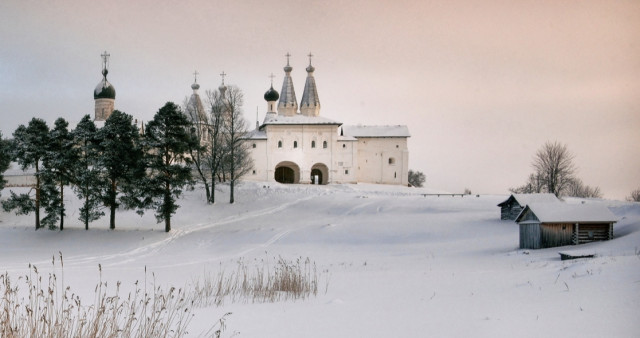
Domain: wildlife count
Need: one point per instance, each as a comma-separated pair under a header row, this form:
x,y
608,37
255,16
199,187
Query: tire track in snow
x,y
151,248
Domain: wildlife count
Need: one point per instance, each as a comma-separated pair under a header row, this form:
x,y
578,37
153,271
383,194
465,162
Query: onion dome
x,y
271,95
195,86
104,89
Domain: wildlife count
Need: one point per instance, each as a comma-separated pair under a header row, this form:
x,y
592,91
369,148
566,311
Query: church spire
x,y
195,108
288,104
222,87
310,104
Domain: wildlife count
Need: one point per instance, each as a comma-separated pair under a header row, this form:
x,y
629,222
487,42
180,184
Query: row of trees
x,y
110,167
555,173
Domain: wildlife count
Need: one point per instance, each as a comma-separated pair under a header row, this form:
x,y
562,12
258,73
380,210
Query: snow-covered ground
x,y
398,264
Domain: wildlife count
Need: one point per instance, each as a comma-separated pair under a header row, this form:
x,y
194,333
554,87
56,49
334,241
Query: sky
x,y
482,85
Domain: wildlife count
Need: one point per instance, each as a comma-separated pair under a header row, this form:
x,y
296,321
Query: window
x,y
395,175
295,144
254,145
254,172
324,144
397,146
346,171
279,144
313,144
344,145
392,161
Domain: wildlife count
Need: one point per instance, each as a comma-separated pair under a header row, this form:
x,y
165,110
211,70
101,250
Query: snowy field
x,y
391,262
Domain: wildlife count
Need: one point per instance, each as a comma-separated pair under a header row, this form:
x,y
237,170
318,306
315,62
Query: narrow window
x,y
395,175
346,171
254,145
295,144
324,144
392,160
254,172
344,145
279,144
313,144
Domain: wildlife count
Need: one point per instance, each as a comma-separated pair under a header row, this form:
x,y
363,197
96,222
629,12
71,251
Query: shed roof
x,y
376,131
524,199
569,213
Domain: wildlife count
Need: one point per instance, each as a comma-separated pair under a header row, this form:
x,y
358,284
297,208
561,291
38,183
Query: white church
x,y
295,144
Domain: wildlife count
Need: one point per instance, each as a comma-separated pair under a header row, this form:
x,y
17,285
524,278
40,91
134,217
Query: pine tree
x,y
167,141
5,159
30,144
87,178
60,159
120,163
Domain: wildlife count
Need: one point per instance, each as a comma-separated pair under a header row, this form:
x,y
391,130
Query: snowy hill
x,y
394,263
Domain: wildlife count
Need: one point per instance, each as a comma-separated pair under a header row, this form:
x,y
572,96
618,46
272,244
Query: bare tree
x,y
576,188
635,196
216,149
554,164
198,149
239,161
533,185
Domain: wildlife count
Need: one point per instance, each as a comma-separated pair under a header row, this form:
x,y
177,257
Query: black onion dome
x,y
271,95
104,90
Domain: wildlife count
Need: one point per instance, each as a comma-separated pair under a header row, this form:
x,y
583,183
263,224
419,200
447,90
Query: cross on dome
x,y
272,76
310,56
288,56
223,74
105,59
195,76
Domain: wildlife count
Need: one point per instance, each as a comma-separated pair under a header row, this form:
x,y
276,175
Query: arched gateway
x,y
287,172
319,174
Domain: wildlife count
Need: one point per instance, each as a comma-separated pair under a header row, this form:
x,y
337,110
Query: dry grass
x,y
46,308
38,305
258,284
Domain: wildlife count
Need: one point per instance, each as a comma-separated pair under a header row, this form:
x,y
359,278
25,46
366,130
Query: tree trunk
x,y
37,197
167,202
231,183
86,207
112,218
213,189
61,206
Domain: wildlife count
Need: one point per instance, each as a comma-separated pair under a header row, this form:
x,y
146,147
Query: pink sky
x,y
481,84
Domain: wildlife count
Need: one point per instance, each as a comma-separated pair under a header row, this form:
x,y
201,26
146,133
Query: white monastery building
x,y
295,144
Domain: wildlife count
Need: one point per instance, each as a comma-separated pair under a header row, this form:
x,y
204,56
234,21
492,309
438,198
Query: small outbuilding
x,y
546,225
513,206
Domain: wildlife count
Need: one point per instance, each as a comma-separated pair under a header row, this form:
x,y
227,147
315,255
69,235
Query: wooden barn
x,y
513,206
546,225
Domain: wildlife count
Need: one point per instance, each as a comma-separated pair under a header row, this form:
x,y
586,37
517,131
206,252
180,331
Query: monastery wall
x,y
383,160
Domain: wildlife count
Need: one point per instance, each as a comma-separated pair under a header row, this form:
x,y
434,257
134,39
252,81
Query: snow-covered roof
x,y
346,138
256,135
524,199
297,120
569,213
376,131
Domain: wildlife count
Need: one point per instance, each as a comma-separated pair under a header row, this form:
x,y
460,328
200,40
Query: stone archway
x,y
287,172
319,174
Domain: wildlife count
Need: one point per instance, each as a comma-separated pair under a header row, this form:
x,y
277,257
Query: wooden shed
x,y
513,206
546,225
